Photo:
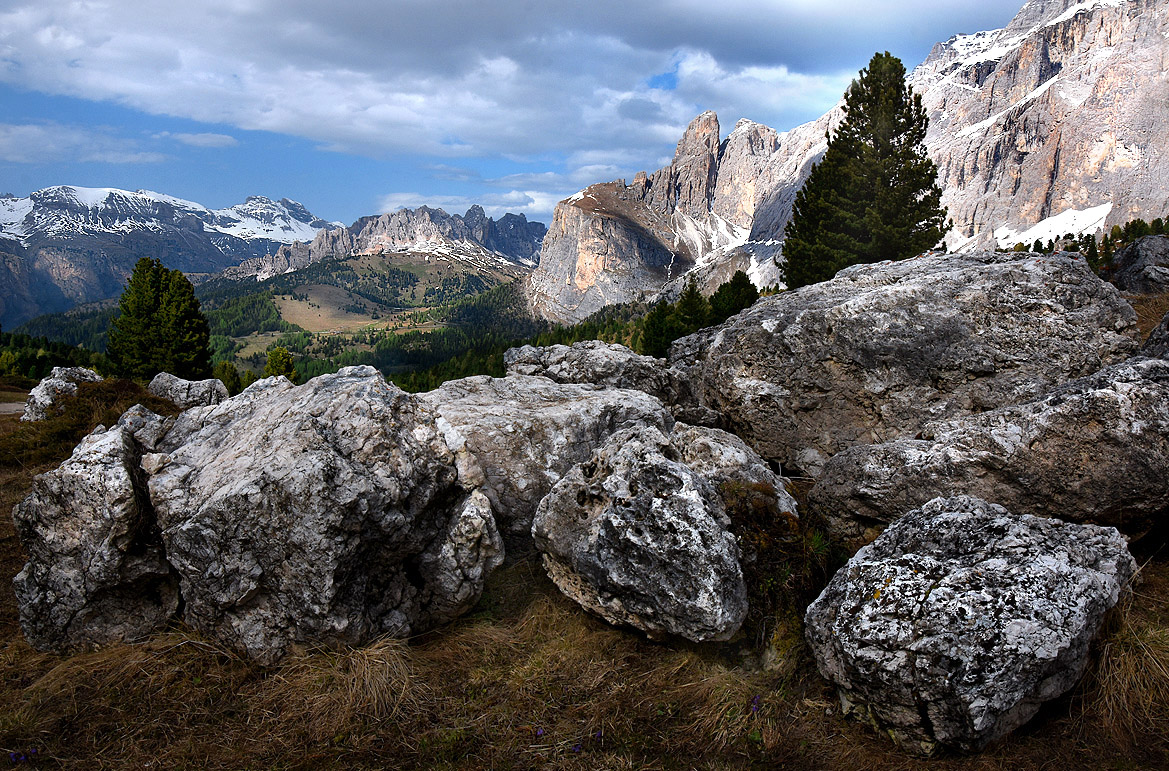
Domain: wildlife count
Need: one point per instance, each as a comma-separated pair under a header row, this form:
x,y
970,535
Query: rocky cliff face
x,y
474,236
68,245
614,243
1053,124
1063,110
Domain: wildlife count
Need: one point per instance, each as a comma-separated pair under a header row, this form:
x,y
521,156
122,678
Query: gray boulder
x,y
596,362
729,464
611,365
61,382
880,350
639,538
1093,450
953,627
1158,342
96,570
185,394
515,437
1142,267
325,513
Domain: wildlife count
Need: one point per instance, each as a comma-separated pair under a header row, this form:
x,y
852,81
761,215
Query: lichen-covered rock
x,y
328,513
1158,342
953,627
878,351
515,437
596,362
729,464
96,570
611,365
61,382
1143,266
1093,450
638,537
185,394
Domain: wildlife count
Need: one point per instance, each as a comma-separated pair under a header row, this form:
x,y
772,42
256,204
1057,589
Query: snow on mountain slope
x,y
67,211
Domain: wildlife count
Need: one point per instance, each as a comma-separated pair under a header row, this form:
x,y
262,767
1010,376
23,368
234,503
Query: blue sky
x,y
357,108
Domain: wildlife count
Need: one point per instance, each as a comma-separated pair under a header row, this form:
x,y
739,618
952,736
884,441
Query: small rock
x,y
953,627
61,382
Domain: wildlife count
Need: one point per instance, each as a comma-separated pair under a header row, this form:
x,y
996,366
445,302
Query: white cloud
x,y
201,140
449,78
537,204
39,143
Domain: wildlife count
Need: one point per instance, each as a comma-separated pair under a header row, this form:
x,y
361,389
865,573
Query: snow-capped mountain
x,y
66,245
65,212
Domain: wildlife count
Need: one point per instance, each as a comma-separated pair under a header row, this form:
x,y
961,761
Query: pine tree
x,y
229,376
280,363
874,196
692,309
732,297
659,328
160,327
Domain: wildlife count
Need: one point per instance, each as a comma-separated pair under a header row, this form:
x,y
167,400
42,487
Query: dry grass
x,y
1150,310
527,680
1126,694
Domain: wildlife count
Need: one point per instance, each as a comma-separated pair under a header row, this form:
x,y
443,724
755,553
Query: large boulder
x,y
613,366
515,437
596,362
641,539
1158,342
1093,450
881,349
326,513
1142,267
185,394
96,570
62,382
953,627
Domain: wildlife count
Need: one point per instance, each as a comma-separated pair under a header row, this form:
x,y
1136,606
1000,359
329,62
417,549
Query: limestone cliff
x,y
1062,111
1053,124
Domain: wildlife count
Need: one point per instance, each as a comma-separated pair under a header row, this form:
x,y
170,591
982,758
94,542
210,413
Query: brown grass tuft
x,y
331,693
1150,310
1125,695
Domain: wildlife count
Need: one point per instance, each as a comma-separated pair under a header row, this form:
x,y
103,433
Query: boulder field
x,y
992,413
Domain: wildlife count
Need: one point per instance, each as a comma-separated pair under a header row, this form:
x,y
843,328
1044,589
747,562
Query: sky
x,y
360,107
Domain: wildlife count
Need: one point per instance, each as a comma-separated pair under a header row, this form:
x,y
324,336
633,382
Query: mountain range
x,y
65,245
1054,124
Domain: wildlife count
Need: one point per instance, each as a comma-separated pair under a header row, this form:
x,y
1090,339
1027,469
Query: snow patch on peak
x,y
1077,221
